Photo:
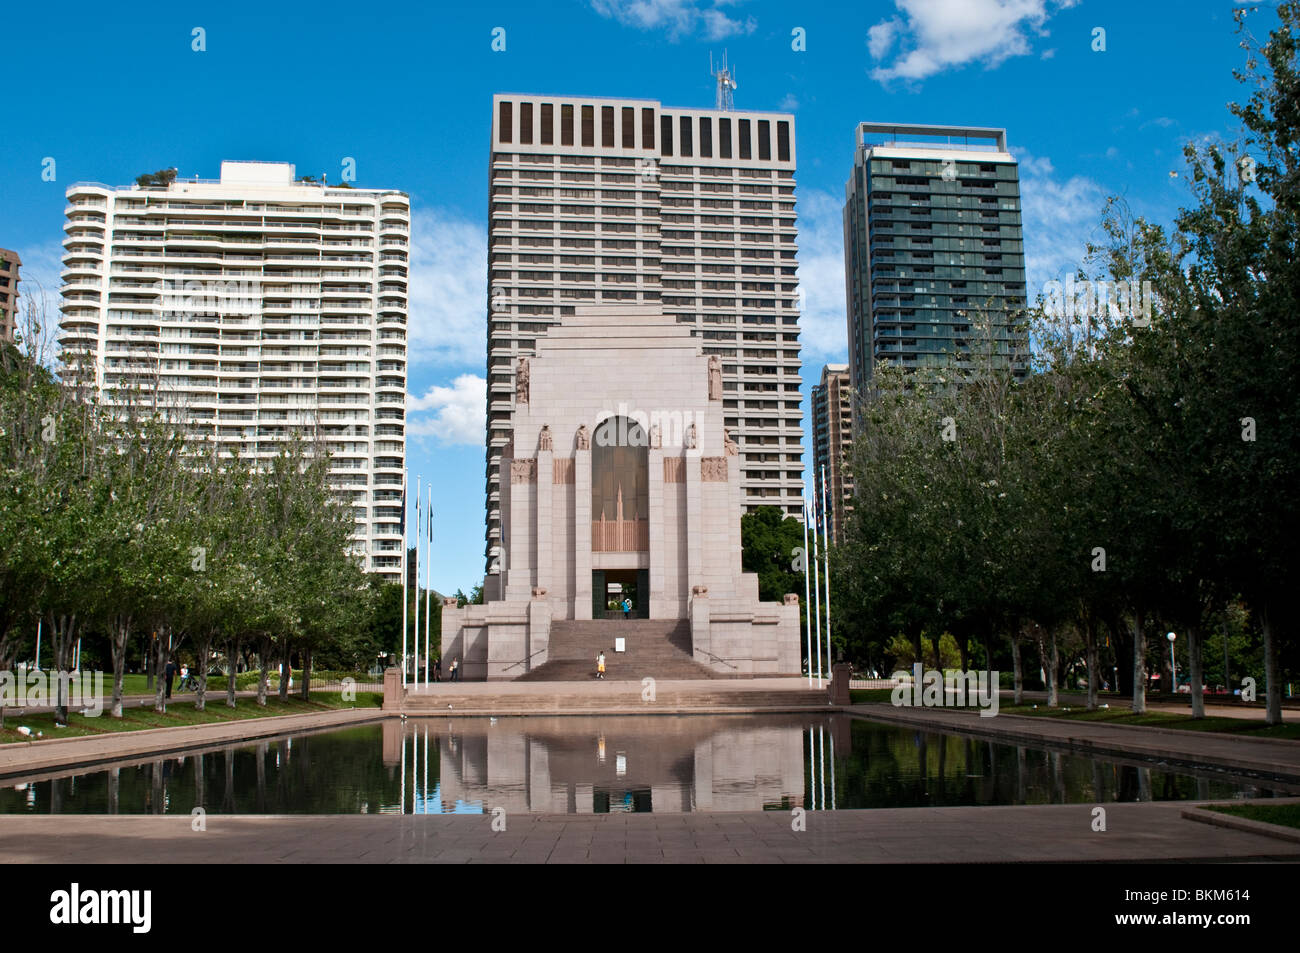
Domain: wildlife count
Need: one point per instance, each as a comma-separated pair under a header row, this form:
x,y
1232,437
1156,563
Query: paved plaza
x,y
1047,833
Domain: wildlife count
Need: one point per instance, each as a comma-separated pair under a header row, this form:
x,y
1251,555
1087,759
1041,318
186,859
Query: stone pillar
x,y
658,555
694,528
394,696
539,630
582,534
839,689
519,533
701,643
544,527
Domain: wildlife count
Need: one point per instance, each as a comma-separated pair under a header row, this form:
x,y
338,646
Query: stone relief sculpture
x,y
713,469
656,439
730,445
691,438
521,381
584,438
715,377
544,438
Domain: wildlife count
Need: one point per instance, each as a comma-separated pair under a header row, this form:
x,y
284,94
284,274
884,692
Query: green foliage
x,y
771,544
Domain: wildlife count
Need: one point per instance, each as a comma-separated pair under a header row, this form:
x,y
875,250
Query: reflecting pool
x,y
600,764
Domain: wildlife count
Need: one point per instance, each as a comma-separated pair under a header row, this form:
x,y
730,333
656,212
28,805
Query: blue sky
x,y
405,90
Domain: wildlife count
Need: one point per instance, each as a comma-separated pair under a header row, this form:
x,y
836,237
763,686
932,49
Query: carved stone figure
x,y
656,439
544,438
730,445
539,592
713,469
521,381
691,437
715,377
791,599
700,591
584,438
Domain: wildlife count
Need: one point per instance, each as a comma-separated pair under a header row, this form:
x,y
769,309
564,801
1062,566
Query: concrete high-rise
x,y
598,201
248,308
9,265
932,237
832,443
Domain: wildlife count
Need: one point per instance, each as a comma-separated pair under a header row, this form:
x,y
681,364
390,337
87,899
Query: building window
x,y
588,126
783,141
607,127
647,128
685,147
566,125
743,132
724,138
629,127
666,135
526,123
764,140
505,122
548,124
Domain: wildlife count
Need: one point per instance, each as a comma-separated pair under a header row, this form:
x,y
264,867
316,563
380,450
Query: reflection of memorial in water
x,y
573,765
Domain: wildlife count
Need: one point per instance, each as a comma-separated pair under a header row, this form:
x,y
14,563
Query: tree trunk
x,y
230,675
202,651
149,654
263,658
938,657
917,648
1018,672
158,658
964,644
1272,670
286,670
1123,662
1051,664
1090,648
1194,669
306,674
1139,664
121,635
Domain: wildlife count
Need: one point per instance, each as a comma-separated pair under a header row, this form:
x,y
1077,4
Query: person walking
x,y
455,670
437,670
627,608
169,674
600,665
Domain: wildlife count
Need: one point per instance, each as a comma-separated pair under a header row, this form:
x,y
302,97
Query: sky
x,y
405,90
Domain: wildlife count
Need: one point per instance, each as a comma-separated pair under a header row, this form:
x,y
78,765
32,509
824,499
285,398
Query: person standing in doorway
x,y
600,665
455,670
627,608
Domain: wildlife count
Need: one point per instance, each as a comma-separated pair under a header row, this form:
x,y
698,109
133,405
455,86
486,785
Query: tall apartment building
x,y
617,200
832,427
251,307
9,265
932,235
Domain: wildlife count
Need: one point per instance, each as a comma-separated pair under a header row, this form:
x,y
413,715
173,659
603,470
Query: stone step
x,y
438,701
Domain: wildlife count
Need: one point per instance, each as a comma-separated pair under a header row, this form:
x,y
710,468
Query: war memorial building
x,y
620,516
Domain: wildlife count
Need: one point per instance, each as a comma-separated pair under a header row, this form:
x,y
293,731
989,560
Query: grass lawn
x,y
1288,815
182,713
1163,719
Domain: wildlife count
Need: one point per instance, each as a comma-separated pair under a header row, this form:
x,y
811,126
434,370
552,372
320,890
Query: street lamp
x,y
1173,662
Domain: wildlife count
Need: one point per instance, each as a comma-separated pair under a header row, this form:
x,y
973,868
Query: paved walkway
x,y
1135,832
1216,706
1256,756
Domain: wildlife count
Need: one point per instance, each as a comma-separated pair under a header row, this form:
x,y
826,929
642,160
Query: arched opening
x,y
620,489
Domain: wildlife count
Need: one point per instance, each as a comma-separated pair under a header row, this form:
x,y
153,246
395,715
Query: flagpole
x,y
807,593
826,554
428,583
817,591
415,629
403,606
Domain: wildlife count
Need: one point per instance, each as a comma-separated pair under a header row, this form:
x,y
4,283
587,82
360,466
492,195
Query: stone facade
x,y
621,375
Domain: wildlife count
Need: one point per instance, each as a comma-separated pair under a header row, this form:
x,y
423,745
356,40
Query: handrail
x,y
522,660
717,658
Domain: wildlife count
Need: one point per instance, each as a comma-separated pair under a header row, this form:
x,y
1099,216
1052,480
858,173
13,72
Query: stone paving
x,y
1135,832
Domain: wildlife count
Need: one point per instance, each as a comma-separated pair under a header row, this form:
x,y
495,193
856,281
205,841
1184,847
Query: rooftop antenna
x,y
726,84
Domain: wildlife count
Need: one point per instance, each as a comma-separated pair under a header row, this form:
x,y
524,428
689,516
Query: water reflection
x,y
585,765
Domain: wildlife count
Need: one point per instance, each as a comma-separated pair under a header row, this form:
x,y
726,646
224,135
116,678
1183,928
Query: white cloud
x,y
448,289
678,17
789,104
459,412
937,34
821,278
1059,216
